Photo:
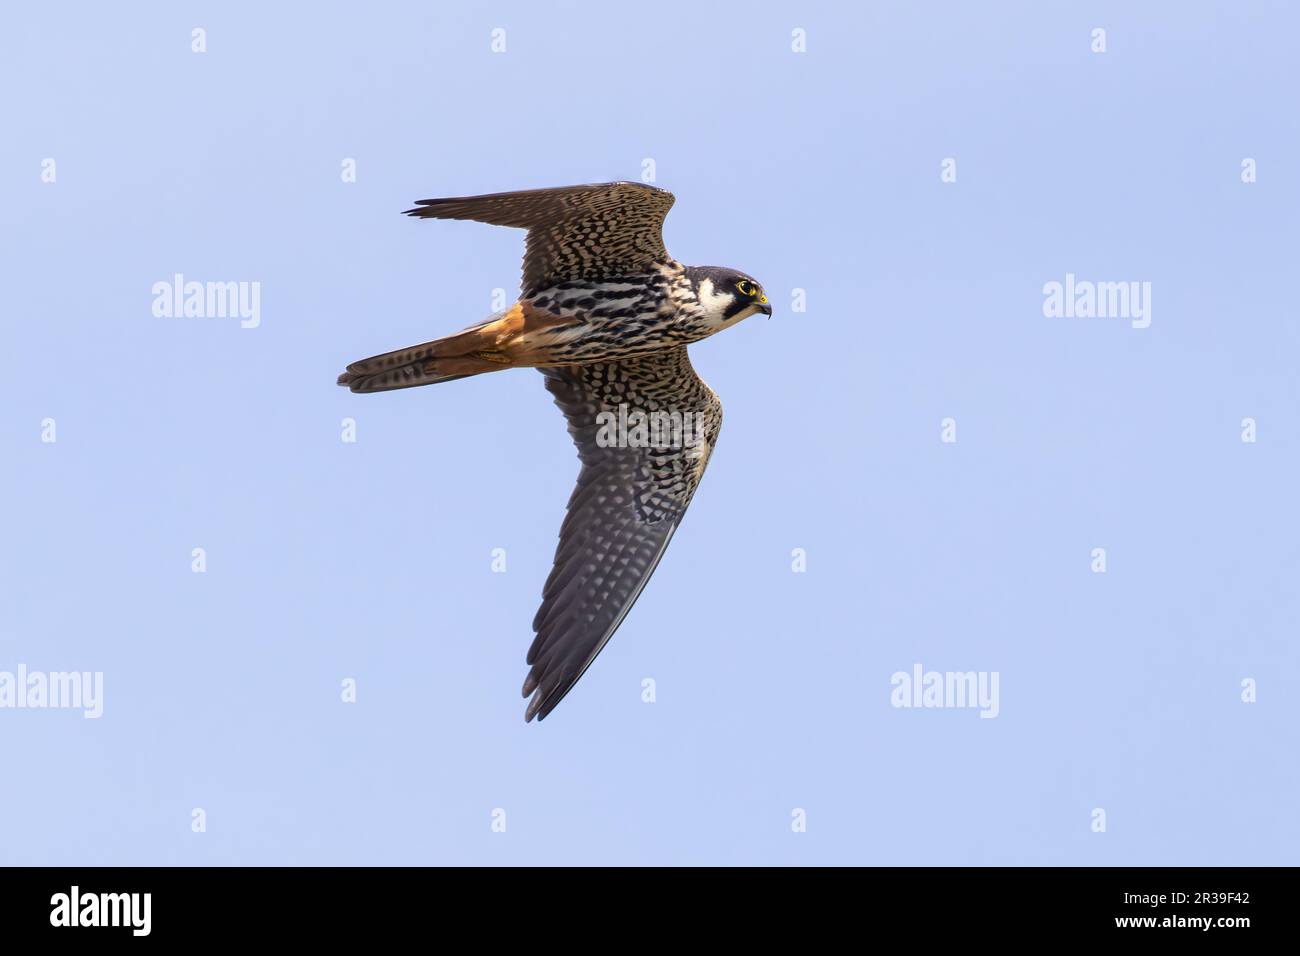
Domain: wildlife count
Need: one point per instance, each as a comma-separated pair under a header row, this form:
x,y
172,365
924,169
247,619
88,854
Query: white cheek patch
x,y
714,303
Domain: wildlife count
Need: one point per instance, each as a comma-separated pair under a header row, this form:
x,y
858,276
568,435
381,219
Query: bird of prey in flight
x,y
605,314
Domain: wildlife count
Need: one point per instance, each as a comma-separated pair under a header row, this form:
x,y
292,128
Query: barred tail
x,y
442,360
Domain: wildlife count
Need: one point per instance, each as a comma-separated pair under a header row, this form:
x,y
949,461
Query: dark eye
x,y
744,287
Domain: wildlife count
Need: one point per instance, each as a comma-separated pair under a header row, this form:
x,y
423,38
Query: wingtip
x,y
427,208
538,706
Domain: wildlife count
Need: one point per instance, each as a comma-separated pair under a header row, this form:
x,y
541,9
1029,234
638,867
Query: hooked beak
x,y
765,308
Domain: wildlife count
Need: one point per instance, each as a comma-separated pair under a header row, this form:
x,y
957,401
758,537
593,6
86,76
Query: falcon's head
x,y
727,296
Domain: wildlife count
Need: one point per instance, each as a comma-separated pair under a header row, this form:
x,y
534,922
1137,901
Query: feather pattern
x,y
632,491
574,232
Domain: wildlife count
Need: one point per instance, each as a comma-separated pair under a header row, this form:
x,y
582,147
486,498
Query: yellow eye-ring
x,y
744,287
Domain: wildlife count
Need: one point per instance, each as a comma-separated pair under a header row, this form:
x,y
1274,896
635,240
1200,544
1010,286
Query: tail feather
x,y
514,338
404,376
442,360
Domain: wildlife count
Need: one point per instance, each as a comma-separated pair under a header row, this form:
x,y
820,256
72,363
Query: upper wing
x,y
625,508
574,232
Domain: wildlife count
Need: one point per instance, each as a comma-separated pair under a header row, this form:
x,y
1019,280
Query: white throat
x,y
715,305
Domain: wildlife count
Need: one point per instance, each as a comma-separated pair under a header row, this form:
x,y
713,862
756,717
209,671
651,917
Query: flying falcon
x,y
605,313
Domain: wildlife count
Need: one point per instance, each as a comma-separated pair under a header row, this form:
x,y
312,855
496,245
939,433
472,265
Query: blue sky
x,y
817,171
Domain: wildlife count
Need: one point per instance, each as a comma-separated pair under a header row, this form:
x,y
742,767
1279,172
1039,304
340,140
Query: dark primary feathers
x,y
574,232
623,512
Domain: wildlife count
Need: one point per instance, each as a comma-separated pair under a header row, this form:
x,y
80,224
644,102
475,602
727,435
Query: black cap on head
x,y
744,288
